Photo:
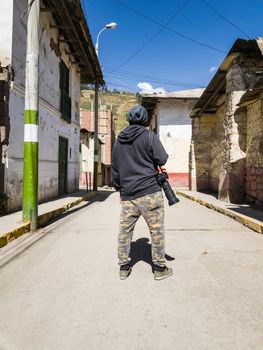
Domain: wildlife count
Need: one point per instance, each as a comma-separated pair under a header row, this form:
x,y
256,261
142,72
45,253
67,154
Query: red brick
x,y
253,185
248,171
260,195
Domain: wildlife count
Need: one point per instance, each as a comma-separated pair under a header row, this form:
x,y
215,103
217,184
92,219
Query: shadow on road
x,y
101,196
141,250
29,239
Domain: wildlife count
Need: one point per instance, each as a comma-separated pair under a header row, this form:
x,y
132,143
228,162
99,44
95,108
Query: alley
x,y
64,292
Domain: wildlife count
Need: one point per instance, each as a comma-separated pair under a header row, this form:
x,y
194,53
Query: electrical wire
x,y
170,29
152,38
120,85
128,74
223,17
162,82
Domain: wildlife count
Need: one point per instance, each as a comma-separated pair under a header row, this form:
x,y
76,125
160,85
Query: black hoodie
x,y
134,160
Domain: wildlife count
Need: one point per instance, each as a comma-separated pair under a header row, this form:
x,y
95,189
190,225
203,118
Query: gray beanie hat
x,y
138,115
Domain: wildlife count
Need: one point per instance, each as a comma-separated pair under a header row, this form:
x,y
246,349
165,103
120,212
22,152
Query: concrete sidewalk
x,y
12,226
243,213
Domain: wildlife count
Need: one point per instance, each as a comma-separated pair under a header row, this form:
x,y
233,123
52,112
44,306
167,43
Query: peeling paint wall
x,y
51,125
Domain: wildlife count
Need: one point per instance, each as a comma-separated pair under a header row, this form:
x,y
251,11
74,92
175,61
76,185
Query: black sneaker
x,y
125,271
161,272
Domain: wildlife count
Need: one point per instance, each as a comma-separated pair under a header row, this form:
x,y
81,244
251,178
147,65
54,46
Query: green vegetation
x,y
119,102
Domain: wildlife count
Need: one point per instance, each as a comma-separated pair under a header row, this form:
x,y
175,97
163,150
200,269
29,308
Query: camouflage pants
x,y
151,207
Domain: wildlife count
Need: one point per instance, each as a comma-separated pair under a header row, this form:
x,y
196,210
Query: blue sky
x,y
169,62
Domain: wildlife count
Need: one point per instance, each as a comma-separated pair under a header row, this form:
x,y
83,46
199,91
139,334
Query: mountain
x,y
119,102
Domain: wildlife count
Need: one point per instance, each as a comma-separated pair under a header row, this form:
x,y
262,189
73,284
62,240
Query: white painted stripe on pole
x,y
31,93
31,133
96,158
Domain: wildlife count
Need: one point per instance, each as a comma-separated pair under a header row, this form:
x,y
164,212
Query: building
x,y
106,140
170,119
67,59
226,155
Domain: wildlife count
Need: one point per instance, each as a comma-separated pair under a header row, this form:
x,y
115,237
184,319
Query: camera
x,y
168,191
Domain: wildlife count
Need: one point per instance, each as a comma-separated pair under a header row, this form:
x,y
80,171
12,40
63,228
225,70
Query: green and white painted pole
x,y
30,183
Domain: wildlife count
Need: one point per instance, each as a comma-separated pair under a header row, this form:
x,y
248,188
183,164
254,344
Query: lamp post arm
x,y
97,41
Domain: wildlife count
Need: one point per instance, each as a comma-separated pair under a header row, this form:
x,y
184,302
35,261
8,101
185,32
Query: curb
x,y
247,221
43,220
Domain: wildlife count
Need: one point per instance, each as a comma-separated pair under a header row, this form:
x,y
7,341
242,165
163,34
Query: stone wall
x,y
254,161
216,146
202,129
209,143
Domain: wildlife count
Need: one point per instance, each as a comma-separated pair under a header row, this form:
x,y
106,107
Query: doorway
x,y
62,166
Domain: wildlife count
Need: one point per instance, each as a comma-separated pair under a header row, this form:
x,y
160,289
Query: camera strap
x,y
150,140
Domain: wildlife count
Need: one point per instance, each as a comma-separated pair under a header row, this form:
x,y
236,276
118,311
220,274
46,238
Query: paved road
x,y
63,292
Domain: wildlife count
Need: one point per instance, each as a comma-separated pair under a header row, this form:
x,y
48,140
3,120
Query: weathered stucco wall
x,y
51,125
254,161
6,24
174,130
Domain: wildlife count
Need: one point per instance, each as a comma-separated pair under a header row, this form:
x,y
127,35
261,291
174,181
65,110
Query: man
x,y
133,169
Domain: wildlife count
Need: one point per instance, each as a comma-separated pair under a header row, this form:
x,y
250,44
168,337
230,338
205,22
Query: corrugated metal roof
x,y
72,25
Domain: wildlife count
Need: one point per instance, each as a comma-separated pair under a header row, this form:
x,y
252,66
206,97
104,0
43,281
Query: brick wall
x,y
106,136
87,120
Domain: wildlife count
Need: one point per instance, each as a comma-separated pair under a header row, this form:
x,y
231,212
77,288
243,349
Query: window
x,y
65,100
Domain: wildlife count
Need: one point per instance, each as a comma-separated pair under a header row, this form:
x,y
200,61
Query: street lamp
x,y
111,25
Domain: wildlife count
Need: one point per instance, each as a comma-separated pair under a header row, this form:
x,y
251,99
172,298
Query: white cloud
x,y
148,89
212,69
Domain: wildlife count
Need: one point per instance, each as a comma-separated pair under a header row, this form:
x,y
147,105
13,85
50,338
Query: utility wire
x,y
170,29
124,74
161,82
151,39
125,86
224,18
